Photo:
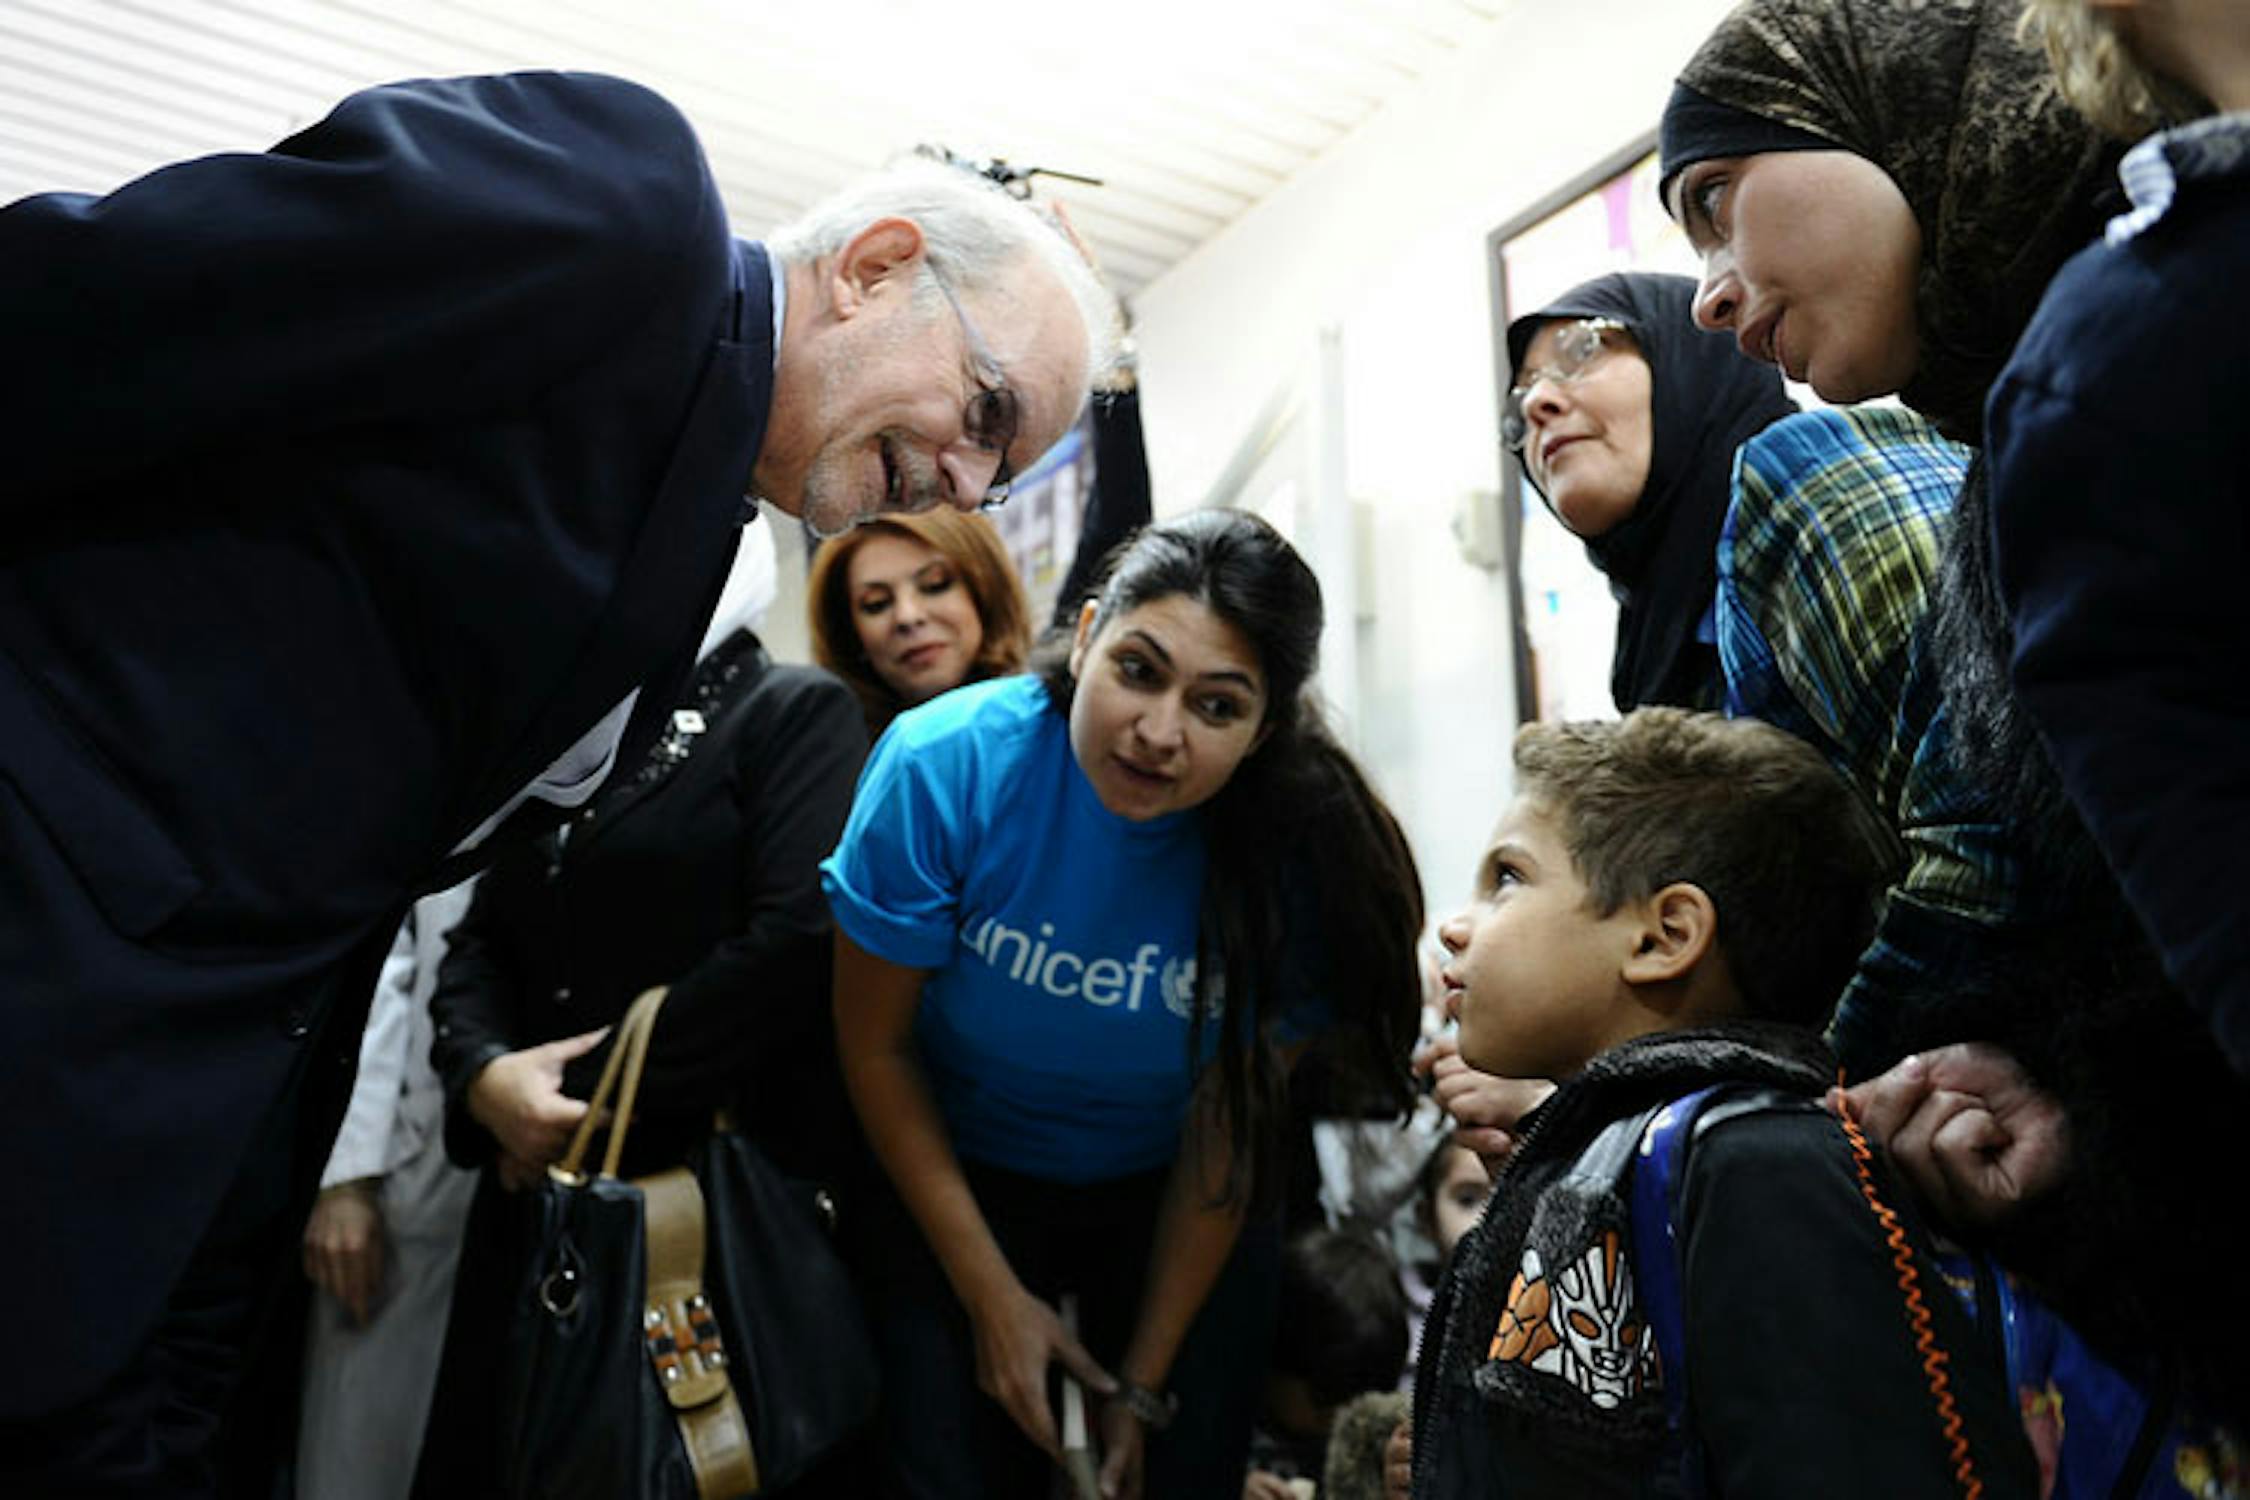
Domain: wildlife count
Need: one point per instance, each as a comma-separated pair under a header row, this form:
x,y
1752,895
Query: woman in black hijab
x,y
1583,423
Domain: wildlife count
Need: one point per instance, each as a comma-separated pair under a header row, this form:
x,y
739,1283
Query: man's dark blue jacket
x,y
2120,443
346,487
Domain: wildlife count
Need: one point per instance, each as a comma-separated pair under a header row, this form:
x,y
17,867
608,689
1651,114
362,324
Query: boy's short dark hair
x,y
1342,1328
1789,855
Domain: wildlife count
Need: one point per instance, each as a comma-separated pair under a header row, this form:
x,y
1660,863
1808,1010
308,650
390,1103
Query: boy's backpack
x,y
2096,1432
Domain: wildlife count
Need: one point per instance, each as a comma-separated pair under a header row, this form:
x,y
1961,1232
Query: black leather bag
x,y
686,1336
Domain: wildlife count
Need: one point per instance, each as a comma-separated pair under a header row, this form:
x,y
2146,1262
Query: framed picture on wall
x,y
1605,219
1045,512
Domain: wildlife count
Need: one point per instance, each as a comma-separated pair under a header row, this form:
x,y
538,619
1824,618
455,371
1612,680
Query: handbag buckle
x,y
559,1288
558,1291
685,1349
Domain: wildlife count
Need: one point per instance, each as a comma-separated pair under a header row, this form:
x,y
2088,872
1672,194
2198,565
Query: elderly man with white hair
x,y
367,497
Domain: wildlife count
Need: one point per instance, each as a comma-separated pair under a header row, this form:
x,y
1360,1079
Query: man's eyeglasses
x,y
989,420
1578,344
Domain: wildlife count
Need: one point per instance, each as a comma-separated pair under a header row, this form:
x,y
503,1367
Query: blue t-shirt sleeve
x,y
894,882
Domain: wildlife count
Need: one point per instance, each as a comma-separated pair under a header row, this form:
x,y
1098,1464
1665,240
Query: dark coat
x,y
2120,476
348,486
2120,526
699,871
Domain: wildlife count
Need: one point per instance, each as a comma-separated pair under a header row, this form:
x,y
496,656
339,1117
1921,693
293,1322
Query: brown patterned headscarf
x,y
2001,174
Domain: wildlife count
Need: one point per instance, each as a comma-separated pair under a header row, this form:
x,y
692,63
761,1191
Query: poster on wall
x,y
1566,622
1046,508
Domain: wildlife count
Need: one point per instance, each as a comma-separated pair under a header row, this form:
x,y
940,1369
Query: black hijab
x,y
1706,400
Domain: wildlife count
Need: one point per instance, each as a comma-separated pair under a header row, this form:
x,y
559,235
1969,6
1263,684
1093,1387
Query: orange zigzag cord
x,y
1917,1310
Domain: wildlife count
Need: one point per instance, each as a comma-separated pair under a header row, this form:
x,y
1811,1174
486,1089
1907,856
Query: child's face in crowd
x,y
1461,1195
1170,699
1809,260
1533,973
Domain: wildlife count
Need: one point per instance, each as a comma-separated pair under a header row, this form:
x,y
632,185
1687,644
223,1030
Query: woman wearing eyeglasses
x,y
1792,584
1773,562
1625,418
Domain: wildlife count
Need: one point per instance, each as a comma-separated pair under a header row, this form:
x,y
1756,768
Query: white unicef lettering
x,y
1105,982
1063,974
1029,973
1002,935
1142,968
1047,980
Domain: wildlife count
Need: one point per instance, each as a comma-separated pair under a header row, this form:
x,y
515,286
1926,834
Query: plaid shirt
x,y
1825,569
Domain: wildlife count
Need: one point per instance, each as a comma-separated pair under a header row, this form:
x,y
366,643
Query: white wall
x,y
1384,240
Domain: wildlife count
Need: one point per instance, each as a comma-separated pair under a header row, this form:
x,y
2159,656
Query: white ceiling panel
x,y
1190,111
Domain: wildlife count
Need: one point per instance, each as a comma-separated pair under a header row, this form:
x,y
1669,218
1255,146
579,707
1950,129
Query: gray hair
x,y
973,232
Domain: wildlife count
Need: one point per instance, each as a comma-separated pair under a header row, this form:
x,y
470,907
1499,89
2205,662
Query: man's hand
x,y
1485,1107
1398,1462
344,1246
1967,1129
518,1097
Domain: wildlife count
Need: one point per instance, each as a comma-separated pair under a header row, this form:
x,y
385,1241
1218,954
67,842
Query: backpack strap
x,y
1659,1170
1656,1270
2121,1446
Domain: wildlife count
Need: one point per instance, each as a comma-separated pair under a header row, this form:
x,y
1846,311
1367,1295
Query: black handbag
x,y
690,1335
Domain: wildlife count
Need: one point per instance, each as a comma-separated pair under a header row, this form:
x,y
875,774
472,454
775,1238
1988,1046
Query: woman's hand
x,y
344,1246
1123,1451
1485,1107
518,1097
1018,1336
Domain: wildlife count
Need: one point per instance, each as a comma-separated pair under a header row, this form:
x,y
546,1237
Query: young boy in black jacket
x,y
1673,902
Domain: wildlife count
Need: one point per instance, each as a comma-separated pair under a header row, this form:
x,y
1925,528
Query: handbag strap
x,y
628,1053
629,1087
684,1343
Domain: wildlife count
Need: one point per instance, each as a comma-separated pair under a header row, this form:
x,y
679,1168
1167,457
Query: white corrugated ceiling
x,y
1189,110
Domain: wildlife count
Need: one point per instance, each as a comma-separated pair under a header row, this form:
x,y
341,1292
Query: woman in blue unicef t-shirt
x,y
1086,919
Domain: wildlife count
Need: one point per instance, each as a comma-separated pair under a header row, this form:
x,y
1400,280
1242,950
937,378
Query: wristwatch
x,y
1151,1410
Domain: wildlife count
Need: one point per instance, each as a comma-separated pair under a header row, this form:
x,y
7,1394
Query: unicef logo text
x,y
1034,962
